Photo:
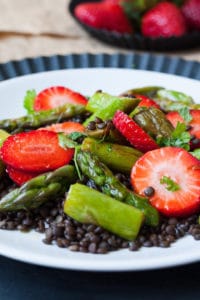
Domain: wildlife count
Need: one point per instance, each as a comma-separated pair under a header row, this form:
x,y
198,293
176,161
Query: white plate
x,y
29,247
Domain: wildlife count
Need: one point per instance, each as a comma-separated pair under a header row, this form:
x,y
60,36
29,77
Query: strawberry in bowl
x,y
138,24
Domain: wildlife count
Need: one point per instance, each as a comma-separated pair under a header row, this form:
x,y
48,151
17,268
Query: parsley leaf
x,y
29,101
65,142
185,114
171,185
183,110
179,138
76,135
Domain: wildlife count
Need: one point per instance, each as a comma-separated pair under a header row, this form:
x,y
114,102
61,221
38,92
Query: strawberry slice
x,y
56,96
18,176
173,177
174,117
146,101
136,136
35,151
66,127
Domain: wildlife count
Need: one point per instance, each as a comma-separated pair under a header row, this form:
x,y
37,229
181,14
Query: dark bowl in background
x,y
137,41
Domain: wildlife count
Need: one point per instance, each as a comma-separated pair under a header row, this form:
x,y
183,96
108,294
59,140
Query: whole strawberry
x,y
163,20
191,12
104,15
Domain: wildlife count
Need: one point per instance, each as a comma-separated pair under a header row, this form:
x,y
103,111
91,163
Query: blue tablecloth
x,y
19,281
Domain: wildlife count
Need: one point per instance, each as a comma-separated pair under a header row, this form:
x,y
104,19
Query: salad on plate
x,y
105,172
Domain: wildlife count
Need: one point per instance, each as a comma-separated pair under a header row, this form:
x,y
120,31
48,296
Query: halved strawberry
x,y
136,136
35,151
174,177
18,176
104,15
66,127
146,101
56,96
174,117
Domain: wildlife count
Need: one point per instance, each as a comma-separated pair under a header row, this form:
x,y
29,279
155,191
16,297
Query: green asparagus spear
x,y
91,166
42,118
149,91
39,190
117,157
153,121
108,110
92,207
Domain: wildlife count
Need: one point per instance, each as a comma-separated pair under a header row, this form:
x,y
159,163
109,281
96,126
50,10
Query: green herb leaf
x,y
65,142
171,185
183,110
185,114
76,135
29,101
179,138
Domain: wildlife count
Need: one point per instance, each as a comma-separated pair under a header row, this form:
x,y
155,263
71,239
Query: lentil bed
x,y
64,232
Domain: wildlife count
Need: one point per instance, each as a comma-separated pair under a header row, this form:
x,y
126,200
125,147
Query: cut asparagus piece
x,y
89,206
3,137
93,168
41,118
149,91
174,100
102,100
116,157
108,110
175,96
39,190
109,135
154,122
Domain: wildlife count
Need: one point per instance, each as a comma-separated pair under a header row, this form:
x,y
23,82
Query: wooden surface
x,y
44,27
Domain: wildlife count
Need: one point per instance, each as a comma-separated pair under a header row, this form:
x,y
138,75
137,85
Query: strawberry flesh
x,y
65,127
176,164
146,101
18,176
136,136
57,96
35,151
